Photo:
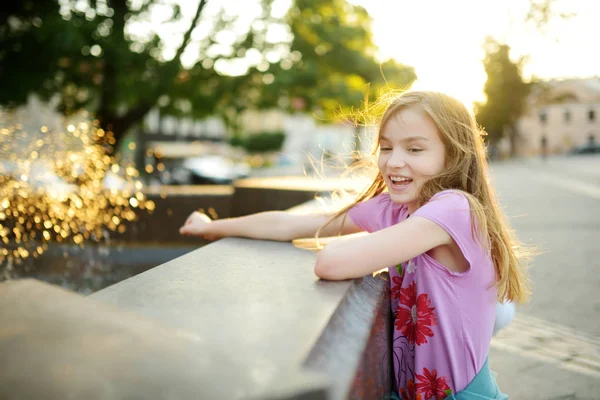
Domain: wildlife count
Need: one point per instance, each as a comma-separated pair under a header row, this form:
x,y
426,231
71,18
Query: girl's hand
x,y
198,224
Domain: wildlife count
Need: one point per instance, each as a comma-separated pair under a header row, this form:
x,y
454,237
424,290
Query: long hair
x,y
466,170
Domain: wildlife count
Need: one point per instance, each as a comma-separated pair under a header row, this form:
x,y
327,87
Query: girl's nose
x,y
396,160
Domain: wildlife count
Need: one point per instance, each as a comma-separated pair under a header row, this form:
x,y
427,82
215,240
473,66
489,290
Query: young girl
x,y
433,219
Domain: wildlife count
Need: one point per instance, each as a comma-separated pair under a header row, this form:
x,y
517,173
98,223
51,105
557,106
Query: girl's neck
x,y
412,207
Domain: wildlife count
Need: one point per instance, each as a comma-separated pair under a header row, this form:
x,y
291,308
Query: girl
x,y
433,219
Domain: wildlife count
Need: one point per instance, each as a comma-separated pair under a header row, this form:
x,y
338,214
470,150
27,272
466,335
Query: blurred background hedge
x,y
259,143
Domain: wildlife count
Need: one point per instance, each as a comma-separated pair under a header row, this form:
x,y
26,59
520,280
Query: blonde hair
x,y
466,170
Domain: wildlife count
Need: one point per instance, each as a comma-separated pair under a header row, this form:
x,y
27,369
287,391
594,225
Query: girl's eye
x,y
386,149
415,150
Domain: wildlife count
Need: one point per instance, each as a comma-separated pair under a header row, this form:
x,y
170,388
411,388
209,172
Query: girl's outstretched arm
x,y
348,258
270,225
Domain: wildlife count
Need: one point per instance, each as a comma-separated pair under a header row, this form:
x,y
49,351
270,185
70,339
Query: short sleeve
x,y
366,215
450,209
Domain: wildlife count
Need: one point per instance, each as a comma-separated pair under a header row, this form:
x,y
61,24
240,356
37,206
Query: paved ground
x,y
552,349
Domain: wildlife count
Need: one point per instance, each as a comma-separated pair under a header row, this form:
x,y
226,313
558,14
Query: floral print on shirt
x,y
432,386
411,267
410,393
415,316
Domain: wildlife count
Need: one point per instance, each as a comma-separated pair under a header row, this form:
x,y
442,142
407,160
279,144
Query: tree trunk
x,y
106,111
119,125
513,136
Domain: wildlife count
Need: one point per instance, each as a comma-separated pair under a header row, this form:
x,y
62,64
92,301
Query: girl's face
x,y
411,152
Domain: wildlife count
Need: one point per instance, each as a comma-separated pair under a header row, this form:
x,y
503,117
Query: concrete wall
x,y
173,205
247,196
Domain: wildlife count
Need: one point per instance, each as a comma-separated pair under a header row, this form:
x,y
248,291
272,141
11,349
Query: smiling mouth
x,y
399,182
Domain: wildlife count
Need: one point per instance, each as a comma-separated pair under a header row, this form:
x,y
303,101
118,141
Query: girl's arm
x,y
347,258
270,225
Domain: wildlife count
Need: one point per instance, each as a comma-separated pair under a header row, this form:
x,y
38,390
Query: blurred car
x,y
215,169
589,148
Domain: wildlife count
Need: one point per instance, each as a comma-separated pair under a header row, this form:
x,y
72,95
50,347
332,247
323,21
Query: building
x,y
561,115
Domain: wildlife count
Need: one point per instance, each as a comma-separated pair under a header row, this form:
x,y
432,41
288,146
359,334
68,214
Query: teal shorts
x,y
482,387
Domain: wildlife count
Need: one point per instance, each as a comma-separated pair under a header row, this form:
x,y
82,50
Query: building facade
x,y
561,115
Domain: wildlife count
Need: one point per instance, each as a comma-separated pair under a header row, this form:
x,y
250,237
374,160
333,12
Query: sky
x,y
441,39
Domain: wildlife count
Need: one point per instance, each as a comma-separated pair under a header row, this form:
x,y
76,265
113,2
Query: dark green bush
x,y
263,142
236,141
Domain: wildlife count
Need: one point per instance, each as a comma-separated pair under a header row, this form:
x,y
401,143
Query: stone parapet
x,y
235,319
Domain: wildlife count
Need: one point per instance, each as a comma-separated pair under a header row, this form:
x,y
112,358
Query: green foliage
x,y
505,90
236,141
331,67
30,48
262,142
88,57
81,51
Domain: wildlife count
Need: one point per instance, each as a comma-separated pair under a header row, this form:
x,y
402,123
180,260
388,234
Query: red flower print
x,y
410,392
415,315
431,386
408,295
396,286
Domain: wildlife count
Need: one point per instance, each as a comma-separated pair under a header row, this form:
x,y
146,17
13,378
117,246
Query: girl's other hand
x,y
197,224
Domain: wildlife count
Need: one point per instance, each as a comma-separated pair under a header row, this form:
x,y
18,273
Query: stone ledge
x,y
237,319
264,326
59,345
261,304
355,346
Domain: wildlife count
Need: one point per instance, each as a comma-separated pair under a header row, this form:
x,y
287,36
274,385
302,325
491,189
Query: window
x,y
591,115
567,116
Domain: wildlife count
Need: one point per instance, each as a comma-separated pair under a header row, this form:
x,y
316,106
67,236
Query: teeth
x,y
399,179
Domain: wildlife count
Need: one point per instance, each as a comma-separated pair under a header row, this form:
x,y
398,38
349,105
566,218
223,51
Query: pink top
x,y
443,320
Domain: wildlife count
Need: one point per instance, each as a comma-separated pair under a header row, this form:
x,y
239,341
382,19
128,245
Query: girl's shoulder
x,y
449,200
451,196
449,208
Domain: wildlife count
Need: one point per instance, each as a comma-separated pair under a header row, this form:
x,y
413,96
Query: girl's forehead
x,y
409,121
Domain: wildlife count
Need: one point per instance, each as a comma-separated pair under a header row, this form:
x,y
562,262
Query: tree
x,y
505,91
541,12
331,67
505,88
86,53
